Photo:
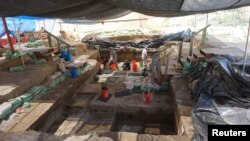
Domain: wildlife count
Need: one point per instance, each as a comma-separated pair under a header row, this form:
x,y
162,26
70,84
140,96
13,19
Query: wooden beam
x,y
204,28
58,39
180,51
191,45
7,33
49,39
164,55
166,65
203,38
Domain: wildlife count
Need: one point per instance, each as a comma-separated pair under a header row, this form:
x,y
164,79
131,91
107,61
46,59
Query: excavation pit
x,y
143,123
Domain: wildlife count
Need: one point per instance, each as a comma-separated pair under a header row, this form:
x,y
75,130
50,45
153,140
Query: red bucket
x,y
135,67
105,93
148,98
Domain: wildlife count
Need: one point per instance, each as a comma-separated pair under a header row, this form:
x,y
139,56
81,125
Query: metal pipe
x,y
195,24
18,40
7,33
245,54
44,24
207,20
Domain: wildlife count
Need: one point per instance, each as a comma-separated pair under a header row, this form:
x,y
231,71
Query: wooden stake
x,y
8,34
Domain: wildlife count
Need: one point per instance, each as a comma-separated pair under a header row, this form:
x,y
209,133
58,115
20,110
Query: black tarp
x,y
222,95
151,43
106,9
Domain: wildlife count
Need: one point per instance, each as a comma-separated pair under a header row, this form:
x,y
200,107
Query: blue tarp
x,y
23,23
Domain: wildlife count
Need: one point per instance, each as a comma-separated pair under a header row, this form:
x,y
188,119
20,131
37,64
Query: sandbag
x,y
16,69
41,61
5,109
35,90
61,66
26,97
52,84
17,102
62,78
12,55
54,75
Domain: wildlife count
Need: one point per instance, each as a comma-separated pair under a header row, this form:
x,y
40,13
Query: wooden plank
x,y
46,104
26,122
178,66
180,51
49,39
204,28
166,66
191,59
235,52
171,71
191,45
199,57
69,125
61,128
203,39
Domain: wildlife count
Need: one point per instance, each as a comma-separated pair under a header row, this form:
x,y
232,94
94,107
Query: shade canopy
x,y
108,9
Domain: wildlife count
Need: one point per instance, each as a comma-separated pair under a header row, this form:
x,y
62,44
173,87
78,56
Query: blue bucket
x,y
63,54
69,57
73,72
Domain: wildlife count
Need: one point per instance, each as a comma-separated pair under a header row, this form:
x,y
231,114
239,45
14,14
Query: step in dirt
x,y
90,88
178,66
82,100
182,95
41,109
199,56
171,70
191,59
98,122
71,124
13,84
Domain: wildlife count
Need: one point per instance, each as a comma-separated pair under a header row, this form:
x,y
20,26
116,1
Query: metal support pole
x,y
140,21
18,41
205,32
44,24
245,54
60,26
207,20
7,33
53,26
191,45
195,23
78,32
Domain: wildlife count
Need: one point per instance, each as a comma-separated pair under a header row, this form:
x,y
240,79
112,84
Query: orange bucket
x,y
13,40
4,42
148,98
133,61
105,93
113,67
135,67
